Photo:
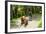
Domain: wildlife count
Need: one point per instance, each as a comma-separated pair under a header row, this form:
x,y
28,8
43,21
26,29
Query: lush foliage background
x,y
17,11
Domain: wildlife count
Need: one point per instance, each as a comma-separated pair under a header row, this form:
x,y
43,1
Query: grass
x,y
13,23
40,23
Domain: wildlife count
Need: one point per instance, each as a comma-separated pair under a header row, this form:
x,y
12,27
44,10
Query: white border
x,y
32,4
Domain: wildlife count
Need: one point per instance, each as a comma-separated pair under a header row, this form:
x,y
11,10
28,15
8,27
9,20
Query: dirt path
x,y
31,24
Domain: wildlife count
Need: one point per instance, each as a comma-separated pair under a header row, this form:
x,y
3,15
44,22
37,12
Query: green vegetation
x,y
40,23
17,11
